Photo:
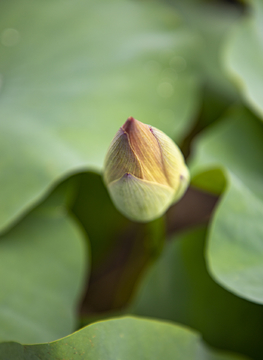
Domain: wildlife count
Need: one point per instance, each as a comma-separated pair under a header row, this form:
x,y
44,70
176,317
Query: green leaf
x,y
71,78
178,288
235,250
126,338
43,262
244,56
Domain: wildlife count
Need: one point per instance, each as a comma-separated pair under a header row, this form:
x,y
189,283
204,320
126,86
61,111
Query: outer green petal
x,y
176,171
140,200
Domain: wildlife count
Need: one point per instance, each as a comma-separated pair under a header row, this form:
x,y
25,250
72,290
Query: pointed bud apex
x,y
144,171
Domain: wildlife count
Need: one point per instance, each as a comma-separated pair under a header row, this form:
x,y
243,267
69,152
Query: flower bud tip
x,y
127,126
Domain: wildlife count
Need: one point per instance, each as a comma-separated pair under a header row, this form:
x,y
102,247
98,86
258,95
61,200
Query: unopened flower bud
x,y
144,171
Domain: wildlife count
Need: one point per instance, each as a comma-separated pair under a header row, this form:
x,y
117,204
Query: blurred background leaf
x,y
235,250
179,288
244,57
211,21
125,338
43,266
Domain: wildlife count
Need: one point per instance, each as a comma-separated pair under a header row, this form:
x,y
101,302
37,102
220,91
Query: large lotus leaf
x,y
244,57
235,248
178,287
71,74
127,338
43,262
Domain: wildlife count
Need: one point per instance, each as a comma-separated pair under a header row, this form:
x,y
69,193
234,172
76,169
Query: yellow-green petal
x,y
140,200
174,166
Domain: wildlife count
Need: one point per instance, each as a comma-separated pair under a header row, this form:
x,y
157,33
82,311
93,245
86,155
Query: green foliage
x,y
43,262
126,338
235,248
71,73
244,56
189,296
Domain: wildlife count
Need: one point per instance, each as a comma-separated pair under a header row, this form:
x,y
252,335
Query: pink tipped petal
x,y
120,159
147,150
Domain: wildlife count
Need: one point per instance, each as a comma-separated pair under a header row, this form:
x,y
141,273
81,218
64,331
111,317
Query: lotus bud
x,y
144,171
